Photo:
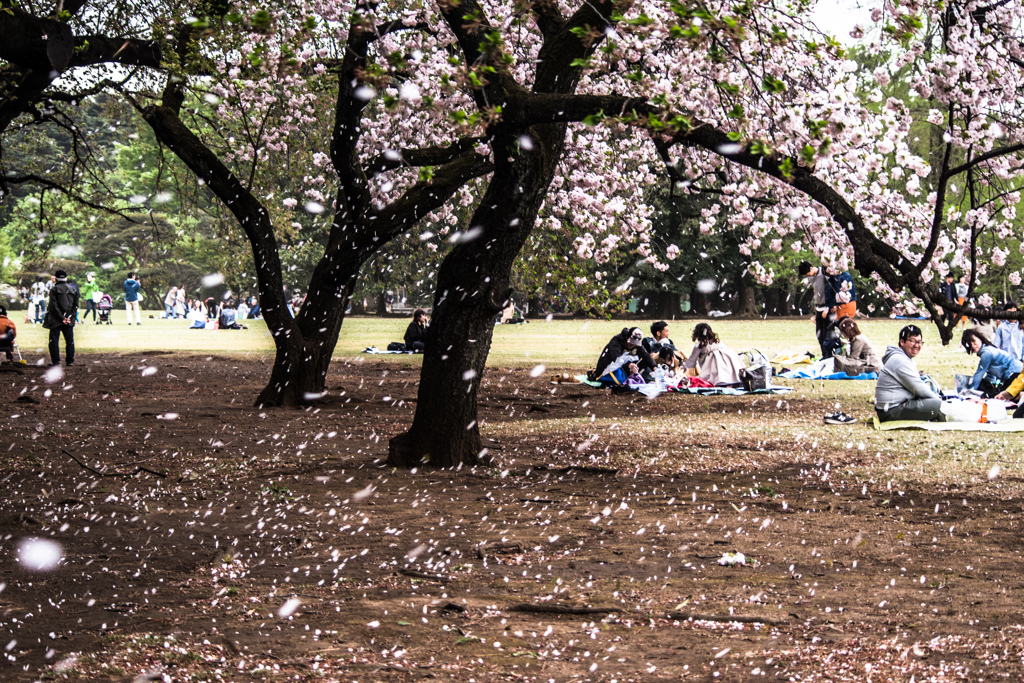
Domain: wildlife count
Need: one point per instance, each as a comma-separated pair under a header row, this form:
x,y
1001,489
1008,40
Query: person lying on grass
x,y
996,368
901,394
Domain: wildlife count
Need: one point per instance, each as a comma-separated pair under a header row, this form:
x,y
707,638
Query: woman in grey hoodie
x,y
901,394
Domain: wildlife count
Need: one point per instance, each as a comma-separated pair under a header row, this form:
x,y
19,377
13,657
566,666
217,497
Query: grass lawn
x,y
558,345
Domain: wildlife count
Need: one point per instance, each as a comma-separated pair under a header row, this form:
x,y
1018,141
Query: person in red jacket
x,y
8,331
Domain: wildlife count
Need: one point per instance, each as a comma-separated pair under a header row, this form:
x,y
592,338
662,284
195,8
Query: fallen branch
x,y
685,616
590,469
127,475
561,609
412,573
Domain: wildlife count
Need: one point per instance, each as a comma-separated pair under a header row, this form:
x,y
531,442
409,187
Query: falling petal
x,y
537,371
365,93
364,493
288,608
40,554
213,279
54,374
315,208
707,286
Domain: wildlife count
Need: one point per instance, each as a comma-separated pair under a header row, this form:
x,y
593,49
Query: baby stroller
x,y
103,308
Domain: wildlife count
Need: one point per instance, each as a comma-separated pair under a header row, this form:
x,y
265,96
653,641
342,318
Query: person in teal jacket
x,y
89,290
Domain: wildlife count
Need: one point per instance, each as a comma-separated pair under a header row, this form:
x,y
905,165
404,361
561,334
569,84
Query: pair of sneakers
x,y
839,418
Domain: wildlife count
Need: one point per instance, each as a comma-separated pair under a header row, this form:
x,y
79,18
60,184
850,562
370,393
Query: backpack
x,y
397,346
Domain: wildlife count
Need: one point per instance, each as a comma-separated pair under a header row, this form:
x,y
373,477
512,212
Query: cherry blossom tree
x,y
749,99
382,188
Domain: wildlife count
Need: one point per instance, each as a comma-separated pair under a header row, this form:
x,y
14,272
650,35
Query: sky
x,y
838,17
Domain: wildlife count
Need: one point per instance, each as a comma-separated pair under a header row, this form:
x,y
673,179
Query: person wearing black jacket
x,y
628,341
948,290
416,333
60,318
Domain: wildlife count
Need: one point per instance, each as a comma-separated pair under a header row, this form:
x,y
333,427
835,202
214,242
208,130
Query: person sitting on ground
x,y
984,328
718,364
996,368
901,394
229,318
861,358
1008,336
416,333
1012,393
624,353
659,338
8,332
508,314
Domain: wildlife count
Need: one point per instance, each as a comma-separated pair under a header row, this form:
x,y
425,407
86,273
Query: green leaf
x,y
261,19
787,167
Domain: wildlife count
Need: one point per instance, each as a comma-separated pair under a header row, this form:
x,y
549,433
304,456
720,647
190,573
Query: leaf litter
x,y
279,545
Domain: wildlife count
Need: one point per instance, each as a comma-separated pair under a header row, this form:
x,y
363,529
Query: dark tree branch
x,y
982,158
250,213
58,187
427,196
427,156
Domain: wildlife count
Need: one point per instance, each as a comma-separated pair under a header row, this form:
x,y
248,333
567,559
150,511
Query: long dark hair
x,y
965,340
704,335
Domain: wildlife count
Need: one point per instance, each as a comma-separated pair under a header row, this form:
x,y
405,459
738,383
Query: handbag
x,y
756,378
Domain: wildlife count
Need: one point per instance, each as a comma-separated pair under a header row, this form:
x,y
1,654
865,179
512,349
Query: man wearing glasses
x,y
901,394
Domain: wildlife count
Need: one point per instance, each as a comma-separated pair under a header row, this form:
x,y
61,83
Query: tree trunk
x,y
746,305
474,282
668,305
699,303
771,301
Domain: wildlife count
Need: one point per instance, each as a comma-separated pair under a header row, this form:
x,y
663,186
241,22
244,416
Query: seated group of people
x,y
903,394
630,358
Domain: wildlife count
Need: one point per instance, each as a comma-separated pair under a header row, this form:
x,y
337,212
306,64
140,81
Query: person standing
x,y
61,312
815,278
89,293
948,292
1008,336
962,288
172,296
180,308
132,301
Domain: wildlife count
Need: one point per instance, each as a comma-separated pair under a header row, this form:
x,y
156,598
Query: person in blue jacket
x,y
132,300
996,368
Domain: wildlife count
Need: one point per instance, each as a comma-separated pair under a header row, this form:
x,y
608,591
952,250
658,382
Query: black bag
x,y
397,346
757,377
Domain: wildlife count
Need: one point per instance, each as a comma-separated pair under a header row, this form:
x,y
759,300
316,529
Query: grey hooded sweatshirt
x,y
899,381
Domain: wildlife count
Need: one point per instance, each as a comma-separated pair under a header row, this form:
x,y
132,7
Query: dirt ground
x,y
203,539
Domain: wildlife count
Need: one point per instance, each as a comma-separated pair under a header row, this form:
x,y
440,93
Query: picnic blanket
x,y
793,358
650,389
824,369
374,349
1004,426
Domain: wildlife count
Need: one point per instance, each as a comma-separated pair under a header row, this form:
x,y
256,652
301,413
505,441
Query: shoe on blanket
x,y
839,418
